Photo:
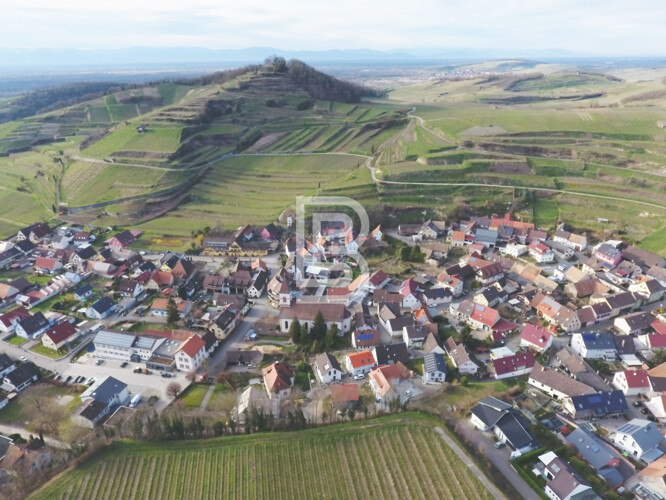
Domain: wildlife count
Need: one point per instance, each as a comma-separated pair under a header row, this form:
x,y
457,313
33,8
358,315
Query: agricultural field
x,y
127,138
253,189
341,461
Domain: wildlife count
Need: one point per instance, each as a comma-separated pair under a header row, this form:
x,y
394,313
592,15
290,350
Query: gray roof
x,y
486,236
145,341
103,305
108,389
645,433
489,410
115,339
22,373
591,448
598,341
5,361
326,361
433,362
391,353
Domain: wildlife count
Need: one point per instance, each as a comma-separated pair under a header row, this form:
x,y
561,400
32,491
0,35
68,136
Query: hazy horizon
x,y
611,28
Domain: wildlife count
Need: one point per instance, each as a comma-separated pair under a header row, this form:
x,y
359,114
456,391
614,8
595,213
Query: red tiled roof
x,y
277,377
486,315
510,364
45,263
535,335
360,359
657,341
192,346
659,327
341,393
637,378
19,312
378,277
62,331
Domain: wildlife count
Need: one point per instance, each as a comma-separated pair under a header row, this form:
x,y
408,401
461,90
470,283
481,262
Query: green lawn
x,y
350,460
16,340
156,139
193,396
45,351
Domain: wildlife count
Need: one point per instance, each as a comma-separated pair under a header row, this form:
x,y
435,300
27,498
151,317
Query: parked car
x,y
499,444
636,404
359,376
69,377
23,359
166,375
99,362
124,364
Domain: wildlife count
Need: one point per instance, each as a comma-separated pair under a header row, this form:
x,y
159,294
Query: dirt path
x,y
206,398
14,429
494,491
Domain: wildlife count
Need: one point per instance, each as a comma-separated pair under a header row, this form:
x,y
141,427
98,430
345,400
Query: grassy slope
x,y
391,457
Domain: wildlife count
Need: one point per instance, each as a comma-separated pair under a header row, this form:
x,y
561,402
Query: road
x,y
499,458
462,455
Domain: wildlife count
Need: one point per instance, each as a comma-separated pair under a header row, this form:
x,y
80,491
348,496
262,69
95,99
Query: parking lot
x,y
138,383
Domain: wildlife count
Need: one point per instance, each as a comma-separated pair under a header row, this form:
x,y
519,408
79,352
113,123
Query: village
x,y
579,325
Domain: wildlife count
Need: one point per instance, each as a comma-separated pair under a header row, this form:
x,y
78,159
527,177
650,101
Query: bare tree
x,y
191,376
173,389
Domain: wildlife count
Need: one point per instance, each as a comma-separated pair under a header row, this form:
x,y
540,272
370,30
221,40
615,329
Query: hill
x,y
391,457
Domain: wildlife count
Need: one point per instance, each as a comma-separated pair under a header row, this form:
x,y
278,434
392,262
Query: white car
x,y
23,359
359,376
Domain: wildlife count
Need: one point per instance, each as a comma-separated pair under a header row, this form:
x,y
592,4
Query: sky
x,y
606,27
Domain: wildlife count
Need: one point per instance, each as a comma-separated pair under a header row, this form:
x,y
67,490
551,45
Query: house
x,y
556,384
377,280
9,320
608,254
602,458
160,279
632,382
632,324
490,273
360,363
259,281
621,303
363,339
642,258
390,354
190,354
515,250
34,233
278,380
460,357
564,483
47,265
540,252
160,306
99,400
83,254
475,315
327,368
269,232
535,338
409,289
7,291
432,344
451,283
556,313
594,346
377,233
386,383
508,425
59,335
183,270
32,327
486,237
434,368
20,378
598,405
640,439
100,309
515,365
129,288
122,239
84,292
650,289
305,312
413,336
575,241
6,365
490,296
224,324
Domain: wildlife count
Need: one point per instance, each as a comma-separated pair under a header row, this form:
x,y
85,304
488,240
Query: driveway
x,y
499,458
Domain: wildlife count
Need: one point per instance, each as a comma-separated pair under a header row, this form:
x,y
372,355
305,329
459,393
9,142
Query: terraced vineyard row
x,y
401,458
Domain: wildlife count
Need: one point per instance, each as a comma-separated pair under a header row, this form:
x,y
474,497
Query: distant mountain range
x,y
147,56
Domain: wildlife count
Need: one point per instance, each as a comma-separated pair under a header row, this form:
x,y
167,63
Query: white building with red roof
x,y
378,279
190,354
535,338
540,252
513,366
360,363
9,320
59,335
632,382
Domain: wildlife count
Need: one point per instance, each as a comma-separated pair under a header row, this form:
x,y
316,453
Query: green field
x,y
545,212
391,457
155,139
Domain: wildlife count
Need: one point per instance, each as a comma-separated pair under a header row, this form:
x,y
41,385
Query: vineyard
x,y
392,457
